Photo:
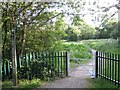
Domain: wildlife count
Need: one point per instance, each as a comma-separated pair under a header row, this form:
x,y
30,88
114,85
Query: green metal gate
x,y
43,65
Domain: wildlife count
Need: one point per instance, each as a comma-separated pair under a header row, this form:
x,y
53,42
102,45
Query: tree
x,y
14,15
80,30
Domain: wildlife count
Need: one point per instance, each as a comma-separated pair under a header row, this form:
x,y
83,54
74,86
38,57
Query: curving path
x,y
77,78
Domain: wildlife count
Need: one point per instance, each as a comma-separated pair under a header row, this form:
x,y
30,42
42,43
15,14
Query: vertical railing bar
x,y
49,63
30,56
96,65
99,63
110,67
43,62
27,59
103,65
36,63
115,68
118,70
55,64
66,63
64,60
27,65
22,59
61,63
24,64
107,67
113,58
32,64
47,55
5,69
8,69
58,65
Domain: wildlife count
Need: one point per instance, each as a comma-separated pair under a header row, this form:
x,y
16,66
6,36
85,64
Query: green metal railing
x,y
43,65
108,67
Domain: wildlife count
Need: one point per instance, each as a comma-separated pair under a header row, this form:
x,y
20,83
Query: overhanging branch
x,y
50,19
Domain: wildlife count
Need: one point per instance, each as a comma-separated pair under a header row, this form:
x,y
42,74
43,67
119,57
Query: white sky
x,y
101,3
88,17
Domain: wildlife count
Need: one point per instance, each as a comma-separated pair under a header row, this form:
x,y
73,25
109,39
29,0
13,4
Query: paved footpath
x,y
77,77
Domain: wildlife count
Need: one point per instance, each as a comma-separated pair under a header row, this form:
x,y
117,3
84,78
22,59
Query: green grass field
x,y
77,50
104,45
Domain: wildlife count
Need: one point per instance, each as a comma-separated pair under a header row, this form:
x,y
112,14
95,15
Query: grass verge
x,y
100,83
23,84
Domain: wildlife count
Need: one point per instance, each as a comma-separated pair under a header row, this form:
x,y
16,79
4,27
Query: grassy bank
x,y
104,45
77,50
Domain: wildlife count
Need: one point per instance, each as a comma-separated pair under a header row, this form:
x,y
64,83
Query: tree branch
x,y
107,19
50,19
108,8
33,10
20,10
36,15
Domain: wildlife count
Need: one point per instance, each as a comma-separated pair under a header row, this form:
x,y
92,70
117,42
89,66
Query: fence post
x,y
118,70
96,64
67,63
0,72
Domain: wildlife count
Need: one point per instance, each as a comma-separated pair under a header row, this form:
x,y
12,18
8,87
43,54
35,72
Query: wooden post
x,y
67,63
0,57
96,65
0,48
0,70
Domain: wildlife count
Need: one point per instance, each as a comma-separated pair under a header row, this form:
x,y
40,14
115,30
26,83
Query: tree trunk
x,y
23,40
13,46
